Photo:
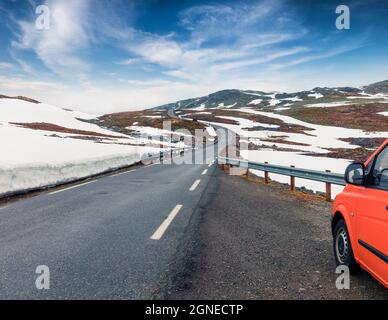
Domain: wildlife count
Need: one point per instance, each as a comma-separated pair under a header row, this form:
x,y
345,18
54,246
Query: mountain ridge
x,y
236,98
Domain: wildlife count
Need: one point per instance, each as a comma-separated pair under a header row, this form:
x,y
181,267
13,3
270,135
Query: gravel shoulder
x,y
248,240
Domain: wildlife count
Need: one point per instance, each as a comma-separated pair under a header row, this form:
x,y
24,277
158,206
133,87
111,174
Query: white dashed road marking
x,y
204,172
163,227
195,185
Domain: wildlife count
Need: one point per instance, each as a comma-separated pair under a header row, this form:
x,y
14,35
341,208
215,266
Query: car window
x,y
380,171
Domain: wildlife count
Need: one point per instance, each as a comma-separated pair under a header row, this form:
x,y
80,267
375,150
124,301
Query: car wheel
x,y
343,252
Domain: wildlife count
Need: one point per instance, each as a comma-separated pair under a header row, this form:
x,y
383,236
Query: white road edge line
x,y
73,187
158,234
118,174
150,165
204,172
195,185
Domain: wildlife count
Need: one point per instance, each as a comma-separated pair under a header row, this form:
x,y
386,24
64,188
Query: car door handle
x,y
386,208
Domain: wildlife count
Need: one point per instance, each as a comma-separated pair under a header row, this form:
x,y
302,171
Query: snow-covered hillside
x,y
280,139
43,145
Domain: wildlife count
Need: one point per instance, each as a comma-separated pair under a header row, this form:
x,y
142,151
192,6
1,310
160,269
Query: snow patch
x,y
328,104
315,95
256,101
294,99
211,132
274,102
152,117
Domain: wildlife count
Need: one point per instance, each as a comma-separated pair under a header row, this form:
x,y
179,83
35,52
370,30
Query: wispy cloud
x,y
20,86
6,65
59,46
221,38
319,52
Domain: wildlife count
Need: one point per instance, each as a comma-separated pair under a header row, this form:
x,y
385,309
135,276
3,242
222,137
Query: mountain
x,y
233,98
378,87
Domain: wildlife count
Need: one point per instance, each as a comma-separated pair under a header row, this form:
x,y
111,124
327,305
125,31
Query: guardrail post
x,y
266,175
328,189
292,181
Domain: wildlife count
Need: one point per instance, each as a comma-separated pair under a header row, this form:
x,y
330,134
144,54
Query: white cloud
x,y
58,47
180,74
129,61
6,65
159,50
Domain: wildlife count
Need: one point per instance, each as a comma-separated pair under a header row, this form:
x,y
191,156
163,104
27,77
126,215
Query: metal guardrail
x,y
322,176
164,154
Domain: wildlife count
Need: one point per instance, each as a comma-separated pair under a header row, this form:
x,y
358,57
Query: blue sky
x,y
112,55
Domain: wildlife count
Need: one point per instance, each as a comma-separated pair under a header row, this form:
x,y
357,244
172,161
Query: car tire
x,y
342,247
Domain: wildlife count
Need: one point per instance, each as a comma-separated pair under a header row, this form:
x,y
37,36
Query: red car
x,y
360,217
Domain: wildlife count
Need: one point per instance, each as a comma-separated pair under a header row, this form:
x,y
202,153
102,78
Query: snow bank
x,y
32,159
38,175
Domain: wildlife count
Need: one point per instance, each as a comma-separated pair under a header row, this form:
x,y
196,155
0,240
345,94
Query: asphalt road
x,y
103,239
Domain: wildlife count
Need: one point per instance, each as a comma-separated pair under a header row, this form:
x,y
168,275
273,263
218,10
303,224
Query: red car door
x,y
372,219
